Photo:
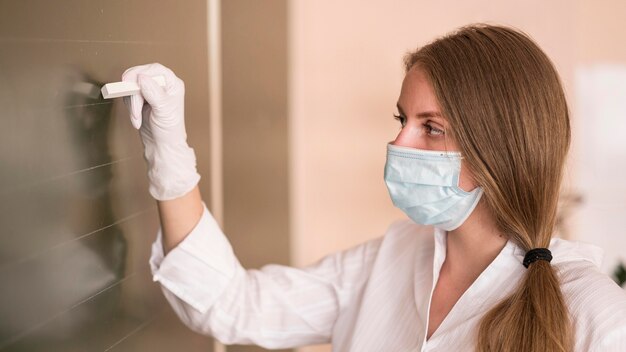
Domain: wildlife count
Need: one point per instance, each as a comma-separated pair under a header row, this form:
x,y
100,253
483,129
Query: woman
x,y
477,166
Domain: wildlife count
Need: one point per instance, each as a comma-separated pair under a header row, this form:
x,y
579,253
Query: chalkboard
x,y
76,220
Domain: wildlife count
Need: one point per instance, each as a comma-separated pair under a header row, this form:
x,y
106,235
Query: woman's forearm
x,y
178,217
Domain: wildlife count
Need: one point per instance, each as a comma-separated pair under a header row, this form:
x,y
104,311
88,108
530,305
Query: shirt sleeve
x,y
275,306
613,341
597,306
610,318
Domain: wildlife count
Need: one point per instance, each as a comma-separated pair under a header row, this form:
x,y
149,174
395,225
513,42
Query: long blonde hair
x,y
507,110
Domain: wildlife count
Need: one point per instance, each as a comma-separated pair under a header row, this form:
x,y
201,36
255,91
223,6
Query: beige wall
x,y
599,127
254,140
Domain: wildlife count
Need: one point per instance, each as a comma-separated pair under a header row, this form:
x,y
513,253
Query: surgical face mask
x,y
425,185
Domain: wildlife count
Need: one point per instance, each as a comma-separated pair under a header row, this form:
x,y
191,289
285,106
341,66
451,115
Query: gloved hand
x,y
161,122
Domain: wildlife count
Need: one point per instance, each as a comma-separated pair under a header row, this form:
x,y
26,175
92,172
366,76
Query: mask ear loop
x,y
445,142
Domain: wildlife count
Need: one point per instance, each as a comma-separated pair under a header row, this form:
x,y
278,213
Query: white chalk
x,y
123,89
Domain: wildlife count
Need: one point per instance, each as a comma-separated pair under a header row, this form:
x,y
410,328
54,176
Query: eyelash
x,y
431,129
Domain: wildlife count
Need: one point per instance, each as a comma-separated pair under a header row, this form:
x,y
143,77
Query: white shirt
x,y
372,297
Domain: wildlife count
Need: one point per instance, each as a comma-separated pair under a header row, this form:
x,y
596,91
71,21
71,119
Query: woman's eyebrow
x,y
429,114
424,114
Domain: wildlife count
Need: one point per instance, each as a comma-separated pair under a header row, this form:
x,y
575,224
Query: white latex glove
x,y
161,122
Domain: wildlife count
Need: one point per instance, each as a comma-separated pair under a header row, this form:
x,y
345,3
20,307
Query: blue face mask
x,y
425,185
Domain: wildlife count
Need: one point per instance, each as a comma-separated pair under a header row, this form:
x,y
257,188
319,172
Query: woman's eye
x,y
433,131
401,119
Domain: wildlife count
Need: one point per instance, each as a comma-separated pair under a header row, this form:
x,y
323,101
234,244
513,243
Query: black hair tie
x,y
537,254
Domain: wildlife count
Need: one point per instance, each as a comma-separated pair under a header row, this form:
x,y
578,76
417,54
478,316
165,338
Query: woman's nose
x,y
410,137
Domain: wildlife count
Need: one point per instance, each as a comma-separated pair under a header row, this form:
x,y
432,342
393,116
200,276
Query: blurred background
x,y
289,108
